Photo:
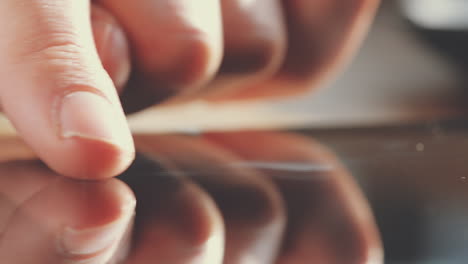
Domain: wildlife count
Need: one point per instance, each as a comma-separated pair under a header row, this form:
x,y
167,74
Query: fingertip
x,y
97,134
177,45
88,138
93,159
95,221
183,64
91,204
175,214
70,221
70,113
92,217
197,64
205,219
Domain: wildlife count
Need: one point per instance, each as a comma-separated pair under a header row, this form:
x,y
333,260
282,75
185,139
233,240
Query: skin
x,y
64,69
196,205
74,68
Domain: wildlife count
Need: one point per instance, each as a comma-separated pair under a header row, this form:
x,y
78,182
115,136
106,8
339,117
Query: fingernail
x,y
117,50
102,36
112,47
91,241
88,115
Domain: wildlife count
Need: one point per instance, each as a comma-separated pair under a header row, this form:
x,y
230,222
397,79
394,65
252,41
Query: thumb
x,y
56,91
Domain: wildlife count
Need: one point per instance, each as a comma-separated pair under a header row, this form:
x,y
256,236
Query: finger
x,y
176,221
177,46
255,44
56,92
251,207
112,45
323,35
64,221
329,220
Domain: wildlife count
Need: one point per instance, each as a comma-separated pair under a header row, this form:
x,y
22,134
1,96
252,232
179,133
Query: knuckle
x,y
198,61
191,62
258,59
60,63
45,35
59,56
57,47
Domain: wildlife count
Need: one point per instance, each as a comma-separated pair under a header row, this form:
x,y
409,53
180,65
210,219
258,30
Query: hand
x,y
253,197
58,94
